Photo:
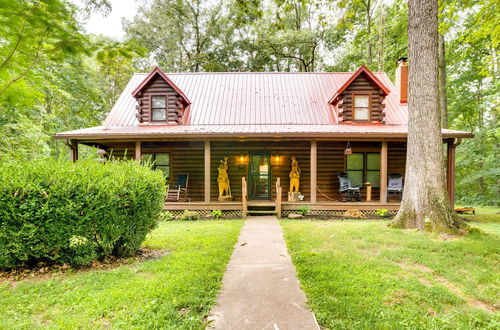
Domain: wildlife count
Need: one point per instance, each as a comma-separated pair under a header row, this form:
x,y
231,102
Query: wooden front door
x,y
259,175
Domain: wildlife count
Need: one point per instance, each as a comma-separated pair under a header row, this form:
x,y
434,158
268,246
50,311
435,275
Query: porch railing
x,y
244,197
278,198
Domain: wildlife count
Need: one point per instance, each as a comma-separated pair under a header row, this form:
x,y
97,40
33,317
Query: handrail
x,y
244,197
278,198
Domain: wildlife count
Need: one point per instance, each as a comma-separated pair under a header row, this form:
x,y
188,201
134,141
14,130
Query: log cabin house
x,y
186,123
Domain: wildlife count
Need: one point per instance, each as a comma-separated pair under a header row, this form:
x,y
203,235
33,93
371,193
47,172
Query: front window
x,y
364,167
158,108
158,161
361,109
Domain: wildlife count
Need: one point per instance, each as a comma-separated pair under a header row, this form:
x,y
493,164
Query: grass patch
x,y
361,274
173,291
484,214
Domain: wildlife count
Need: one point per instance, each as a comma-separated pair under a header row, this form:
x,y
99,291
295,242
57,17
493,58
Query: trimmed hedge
x,y
57,211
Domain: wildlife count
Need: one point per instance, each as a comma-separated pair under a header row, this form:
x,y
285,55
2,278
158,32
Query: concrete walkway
x,y
260,288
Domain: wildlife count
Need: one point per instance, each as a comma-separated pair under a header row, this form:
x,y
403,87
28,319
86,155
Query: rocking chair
x,y
174,193
395,186
346,190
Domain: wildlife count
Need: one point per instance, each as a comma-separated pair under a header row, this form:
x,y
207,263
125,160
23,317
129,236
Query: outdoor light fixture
x,y
277,159
242,160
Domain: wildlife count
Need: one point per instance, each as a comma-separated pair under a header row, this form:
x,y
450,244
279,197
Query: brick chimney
x,y
402,79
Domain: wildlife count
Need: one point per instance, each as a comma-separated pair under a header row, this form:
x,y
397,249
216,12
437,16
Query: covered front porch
x,y
258,170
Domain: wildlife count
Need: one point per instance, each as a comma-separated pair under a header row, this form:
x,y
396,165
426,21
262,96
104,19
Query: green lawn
x,y
485,214
174,291
362,274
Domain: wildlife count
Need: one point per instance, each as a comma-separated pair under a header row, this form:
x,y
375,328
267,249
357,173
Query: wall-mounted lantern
x,y
276,159
242,161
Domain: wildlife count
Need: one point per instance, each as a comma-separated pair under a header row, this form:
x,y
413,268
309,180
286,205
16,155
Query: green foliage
x,y
216,214
189,216
166,216
386,279
304,209
176,291
382,212
62,212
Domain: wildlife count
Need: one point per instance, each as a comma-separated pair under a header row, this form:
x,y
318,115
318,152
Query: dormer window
x,y
361,110
158,108
361,98
159,100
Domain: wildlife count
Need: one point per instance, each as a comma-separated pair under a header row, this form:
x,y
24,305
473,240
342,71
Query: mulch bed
x,y
43,270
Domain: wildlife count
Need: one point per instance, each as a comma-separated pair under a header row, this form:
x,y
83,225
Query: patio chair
x,y
346,190
395,186
175,192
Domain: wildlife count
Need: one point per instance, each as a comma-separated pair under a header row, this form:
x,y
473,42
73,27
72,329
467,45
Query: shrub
x,y
189,216
166,216
383,213
216,214
304,209
57,211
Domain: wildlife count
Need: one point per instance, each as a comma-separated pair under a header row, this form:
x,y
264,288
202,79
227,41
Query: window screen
x,y
355,166
364,167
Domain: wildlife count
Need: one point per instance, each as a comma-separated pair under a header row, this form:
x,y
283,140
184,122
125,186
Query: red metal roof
x,y
254,98
247,104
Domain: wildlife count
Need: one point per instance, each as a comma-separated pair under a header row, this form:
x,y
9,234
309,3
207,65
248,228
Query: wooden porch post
x,y
450,172
138,151
74,150
314,165
383,173
207,171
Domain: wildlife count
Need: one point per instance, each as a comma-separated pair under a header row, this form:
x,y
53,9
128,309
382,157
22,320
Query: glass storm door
x,y
259,170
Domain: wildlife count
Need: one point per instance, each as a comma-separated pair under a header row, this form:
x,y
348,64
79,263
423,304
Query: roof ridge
x,y
258,72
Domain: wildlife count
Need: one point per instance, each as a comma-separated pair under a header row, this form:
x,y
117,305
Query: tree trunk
x,y
443,99
369,22
425,203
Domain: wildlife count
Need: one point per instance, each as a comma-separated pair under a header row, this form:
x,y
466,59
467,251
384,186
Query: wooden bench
x,y
464,210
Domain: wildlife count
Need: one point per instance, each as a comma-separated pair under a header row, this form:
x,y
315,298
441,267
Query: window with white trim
x,y
361,107
158,108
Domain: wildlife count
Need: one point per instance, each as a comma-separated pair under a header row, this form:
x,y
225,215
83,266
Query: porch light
x,y
242,160
348,149
277,159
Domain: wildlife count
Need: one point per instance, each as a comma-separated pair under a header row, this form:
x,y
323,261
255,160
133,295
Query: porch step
x,y
261,212
261,208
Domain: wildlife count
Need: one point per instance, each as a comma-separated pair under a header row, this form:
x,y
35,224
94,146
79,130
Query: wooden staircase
x,y
260,207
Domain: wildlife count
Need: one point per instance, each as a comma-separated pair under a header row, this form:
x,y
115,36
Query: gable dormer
x,y
361,98
159,100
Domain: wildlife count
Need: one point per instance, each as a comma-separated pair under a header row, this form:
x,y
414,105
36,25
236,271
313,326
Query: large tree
x,y
425,203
